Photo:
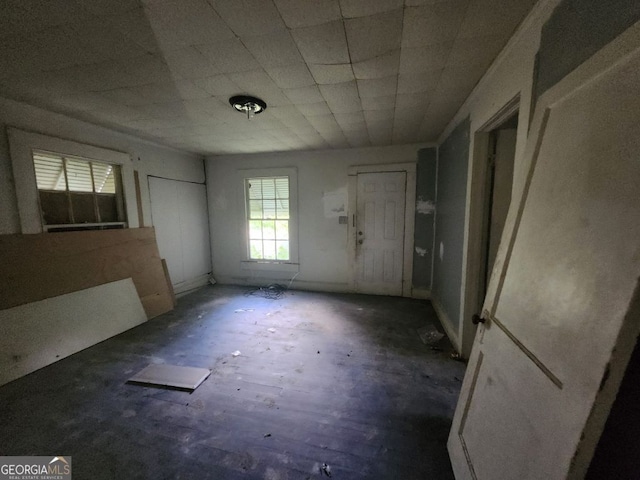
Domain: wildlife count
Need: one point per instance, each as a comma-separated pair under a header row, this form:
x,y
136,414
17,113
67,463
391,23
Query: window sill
x,y
273,266
70,227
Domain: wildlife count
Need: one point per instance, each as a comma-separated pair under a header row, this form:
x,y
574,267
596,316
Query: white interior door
x,y
561,312
380,232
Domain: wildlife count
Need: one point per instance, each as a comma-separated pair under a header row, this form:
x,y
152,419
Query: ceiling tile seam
x,y
266,71
464,18
354,78
113,25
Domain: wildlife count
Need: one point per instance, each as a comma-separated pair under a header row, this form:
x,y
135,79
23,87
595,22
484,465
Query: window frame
x,y
275,219
247,262
22,144
95,195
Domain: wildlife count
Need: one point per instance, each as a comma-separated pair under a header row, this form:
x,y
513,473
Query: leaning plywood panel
x,y
46,265
37,334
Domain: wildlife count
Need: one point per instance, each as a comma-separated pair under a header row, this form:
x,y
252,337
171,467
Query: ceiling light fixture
x,y
245,103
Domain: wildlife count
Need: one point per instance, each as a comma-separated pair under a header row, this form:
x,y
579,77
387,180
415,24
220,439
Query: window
x,y
268,218
78,192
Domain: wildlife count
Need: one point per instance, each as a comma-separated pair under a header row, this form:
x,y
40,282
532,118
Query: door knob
x,y
476,319
360,241
359,233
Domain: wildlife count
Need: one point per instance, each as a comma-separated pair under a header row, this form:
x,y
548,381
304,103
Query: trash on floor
x,y
274,291
267,435
272,330
430,335
240,310
236,353
188,378
326,469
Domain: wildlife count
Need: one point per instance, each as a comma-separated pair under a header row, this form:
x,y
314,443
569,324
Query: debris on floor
x,y
271,292
236,353
430,335
326,469
272,330
163,375
456,356
240,310
266,435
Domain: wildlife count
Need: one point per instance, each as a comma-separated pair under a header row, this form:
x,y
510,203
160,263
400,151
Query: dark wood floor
x,y
344,380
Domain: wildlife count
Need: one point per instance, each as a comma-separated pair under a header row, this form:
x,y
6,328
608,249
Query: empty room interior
x,y
296,239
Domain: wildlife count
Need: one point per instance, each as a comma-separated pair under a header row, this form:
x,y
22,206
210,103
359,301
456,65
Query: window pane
x,y
269,230
49,172
103,178
255,229
55,208
108,208
283,208
79,176
255,188
255,207
282,250
282,187
269,249
282,230
268,200
84,210
269,209
255,247
268,188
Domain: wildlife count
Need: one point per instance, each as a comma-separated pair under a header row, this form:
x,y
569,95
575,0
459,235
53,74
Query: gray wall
x,y
424,218
453,159
575,31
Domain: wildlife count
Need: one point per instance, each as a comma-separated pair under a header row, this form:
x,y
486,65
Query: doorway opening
x,y
499,181
490,198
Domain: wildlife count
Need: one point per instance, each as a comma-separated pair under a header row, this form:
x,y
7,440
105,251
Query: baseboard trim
x,y
183,288
421,293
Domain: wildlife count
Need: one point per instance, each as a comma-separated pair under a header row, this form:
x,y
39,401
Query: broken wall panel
x,y
39,266
40,333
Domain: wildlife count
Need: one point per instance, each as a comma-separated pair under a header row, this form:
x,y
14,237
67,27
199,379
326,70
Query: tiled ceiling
x,y
334,73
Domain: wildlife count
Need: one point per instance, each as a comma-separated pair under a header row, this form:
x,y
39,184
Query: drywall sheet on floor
x,y
181,219
175,376
40,333
47,265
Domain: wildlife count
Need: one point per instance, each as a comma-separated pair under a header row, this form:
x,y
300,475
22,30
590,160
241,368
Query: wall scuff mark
x,y
335,202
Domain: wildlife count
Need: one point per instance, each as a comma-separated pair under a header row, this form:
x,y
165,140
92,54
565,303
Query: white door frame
x,y
409,218
471,303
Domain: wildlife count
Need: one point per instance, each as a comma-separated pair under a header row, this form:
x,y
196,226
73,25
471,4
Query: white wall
x,y
146,157
323,246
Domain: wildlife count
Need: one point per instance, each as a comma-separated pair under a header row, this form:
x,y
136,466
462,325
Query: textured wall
x,y
576,30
